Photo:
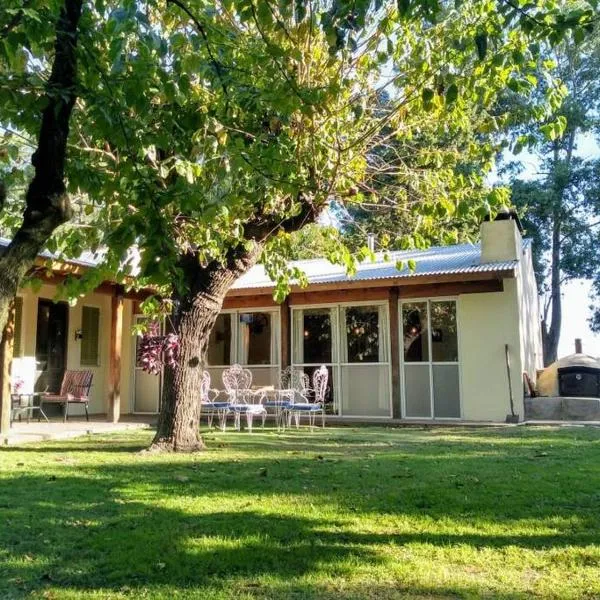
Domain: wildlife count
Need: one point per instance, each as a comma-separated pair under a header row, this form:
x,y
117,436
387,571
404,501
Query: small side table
x,y
25,404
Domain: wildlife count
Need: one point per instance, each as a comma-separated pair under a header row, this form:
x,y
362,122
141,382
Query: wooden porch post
x,y
395,352
285,334
116,341
6,356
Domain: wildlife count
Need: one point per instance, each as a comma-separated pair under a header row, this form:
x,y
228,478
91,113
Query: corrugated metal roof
x,y
437,260
85,259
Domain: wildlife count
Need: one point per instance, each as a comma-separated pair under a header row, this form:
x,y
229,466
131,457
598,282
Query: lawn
x,y
367,512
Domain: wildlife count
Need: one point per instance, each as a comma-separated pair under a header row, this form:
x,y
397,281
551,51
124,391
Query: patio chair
x,y
310,404
242,400
210,405
74,389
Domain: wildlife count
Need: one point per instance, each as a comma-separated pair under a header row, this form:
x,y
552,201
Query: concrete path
x,y
23,432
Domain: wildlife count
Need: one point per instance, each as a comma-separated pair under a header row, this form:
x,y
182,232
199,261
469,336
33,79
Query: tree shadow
x,y
133,523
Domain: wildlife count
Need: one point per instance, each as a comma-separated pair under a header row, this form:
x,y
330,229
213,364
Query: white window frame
x,y
336,366
429,363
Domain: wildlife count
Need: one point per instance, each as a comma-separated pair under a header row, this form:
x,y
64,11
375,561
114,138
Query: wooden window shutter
x,y
90,329
18,326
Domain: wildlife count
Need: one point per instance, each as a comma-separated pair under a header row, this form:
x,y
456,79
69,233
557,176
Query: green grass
x,y
368,512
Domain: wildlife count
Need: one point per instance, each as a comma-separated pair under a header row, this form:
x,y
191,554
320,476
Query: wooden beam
x,y
6,356
333,296
286,338
451,289
257,301
116,344
395,352
366,294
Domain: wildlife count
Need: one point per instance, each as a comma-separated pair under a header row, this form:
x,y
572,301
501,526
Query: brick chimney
x,y
501,238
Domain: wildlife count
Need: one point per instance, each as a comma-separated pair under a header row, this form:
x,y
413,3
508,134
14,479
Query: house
x,y
420,345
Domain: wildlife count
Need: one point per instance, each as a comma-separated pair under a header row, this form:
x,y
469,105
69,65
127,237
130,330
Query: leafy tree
x,y
41,109
209,132
561,208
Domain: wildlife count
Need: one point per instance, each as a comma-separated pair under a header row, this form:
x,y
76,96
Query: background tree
x,y
561,206
33,108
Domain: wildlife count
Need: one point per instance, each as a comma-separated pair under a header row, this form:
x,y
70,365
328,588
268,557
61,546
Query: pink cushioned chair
x,y
74,389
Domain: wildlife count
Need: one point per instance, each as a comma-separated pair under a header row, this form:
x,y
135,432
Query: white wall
x,y
486,323
24,365
532,354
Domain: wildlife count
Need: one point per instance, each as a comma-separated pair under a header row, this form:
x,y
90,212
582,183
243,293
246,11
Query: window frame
x,y
337,365
276,331
430,363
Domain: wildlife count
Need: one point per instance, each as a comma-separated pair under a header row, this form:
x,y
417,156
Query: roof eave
x,y
509,273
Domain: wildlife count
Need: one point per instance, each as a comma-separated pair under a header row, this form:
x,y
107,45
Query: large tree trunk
x,y
194,314
551,331
6,356
46,202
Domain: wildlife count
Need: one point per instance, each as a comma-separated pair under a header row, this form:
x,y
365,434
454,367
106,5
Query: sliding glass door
x,y
315,343
430,359
249,338
353,342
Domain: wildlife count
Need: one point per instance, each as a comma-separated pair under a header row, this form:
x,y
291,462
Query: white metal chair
x,y
306,401
242,400
210,405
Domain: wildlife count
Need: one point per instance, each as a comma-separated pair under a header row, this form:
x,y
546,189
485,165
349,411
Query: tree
x,y
561,208
211,131
26,36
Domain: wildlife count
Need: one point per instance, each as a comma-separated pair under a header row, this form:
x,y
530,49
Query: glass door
x,y
314,343
430,359
364,361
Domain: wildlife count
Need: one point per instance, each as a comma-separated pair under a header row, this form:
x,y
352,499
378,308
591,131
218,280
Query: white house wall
x,y
486,323
24,365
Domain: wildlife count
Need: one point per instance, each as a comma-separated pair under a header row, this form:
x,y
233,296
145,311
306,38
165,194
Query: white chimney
x,y
501,239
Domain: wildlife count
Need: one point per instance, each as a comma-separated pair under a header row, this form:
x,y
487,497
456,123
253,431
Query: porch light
x,y
78,334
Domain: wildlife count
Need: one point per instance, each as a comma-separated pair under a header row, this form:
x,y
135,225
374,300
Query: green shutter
x,y
18,326
90,328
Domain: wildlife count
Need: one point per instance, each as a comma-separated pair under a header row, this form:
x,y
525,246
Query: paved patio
x,y
34,431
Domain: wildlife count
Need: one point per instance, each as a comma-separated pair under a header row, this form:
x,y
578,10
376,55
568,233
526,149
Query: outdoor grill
x,y
579,381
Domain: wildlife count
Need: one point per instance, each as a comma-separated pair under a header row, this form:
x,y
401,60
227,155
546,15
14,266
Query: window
x,y
247,338
362,334
90,327
219,345
444,341
18,326
415,334
353,343
316,336
255,339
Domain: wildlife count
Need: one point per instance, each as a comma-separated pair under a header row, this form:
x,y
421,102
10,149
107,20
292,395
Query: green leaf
x,y
427,95
451,94
404,7
481,41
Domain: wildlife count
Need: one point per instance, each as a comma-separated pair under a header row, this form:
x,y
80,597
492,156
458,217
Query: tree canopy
x,y
561,203
205,134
